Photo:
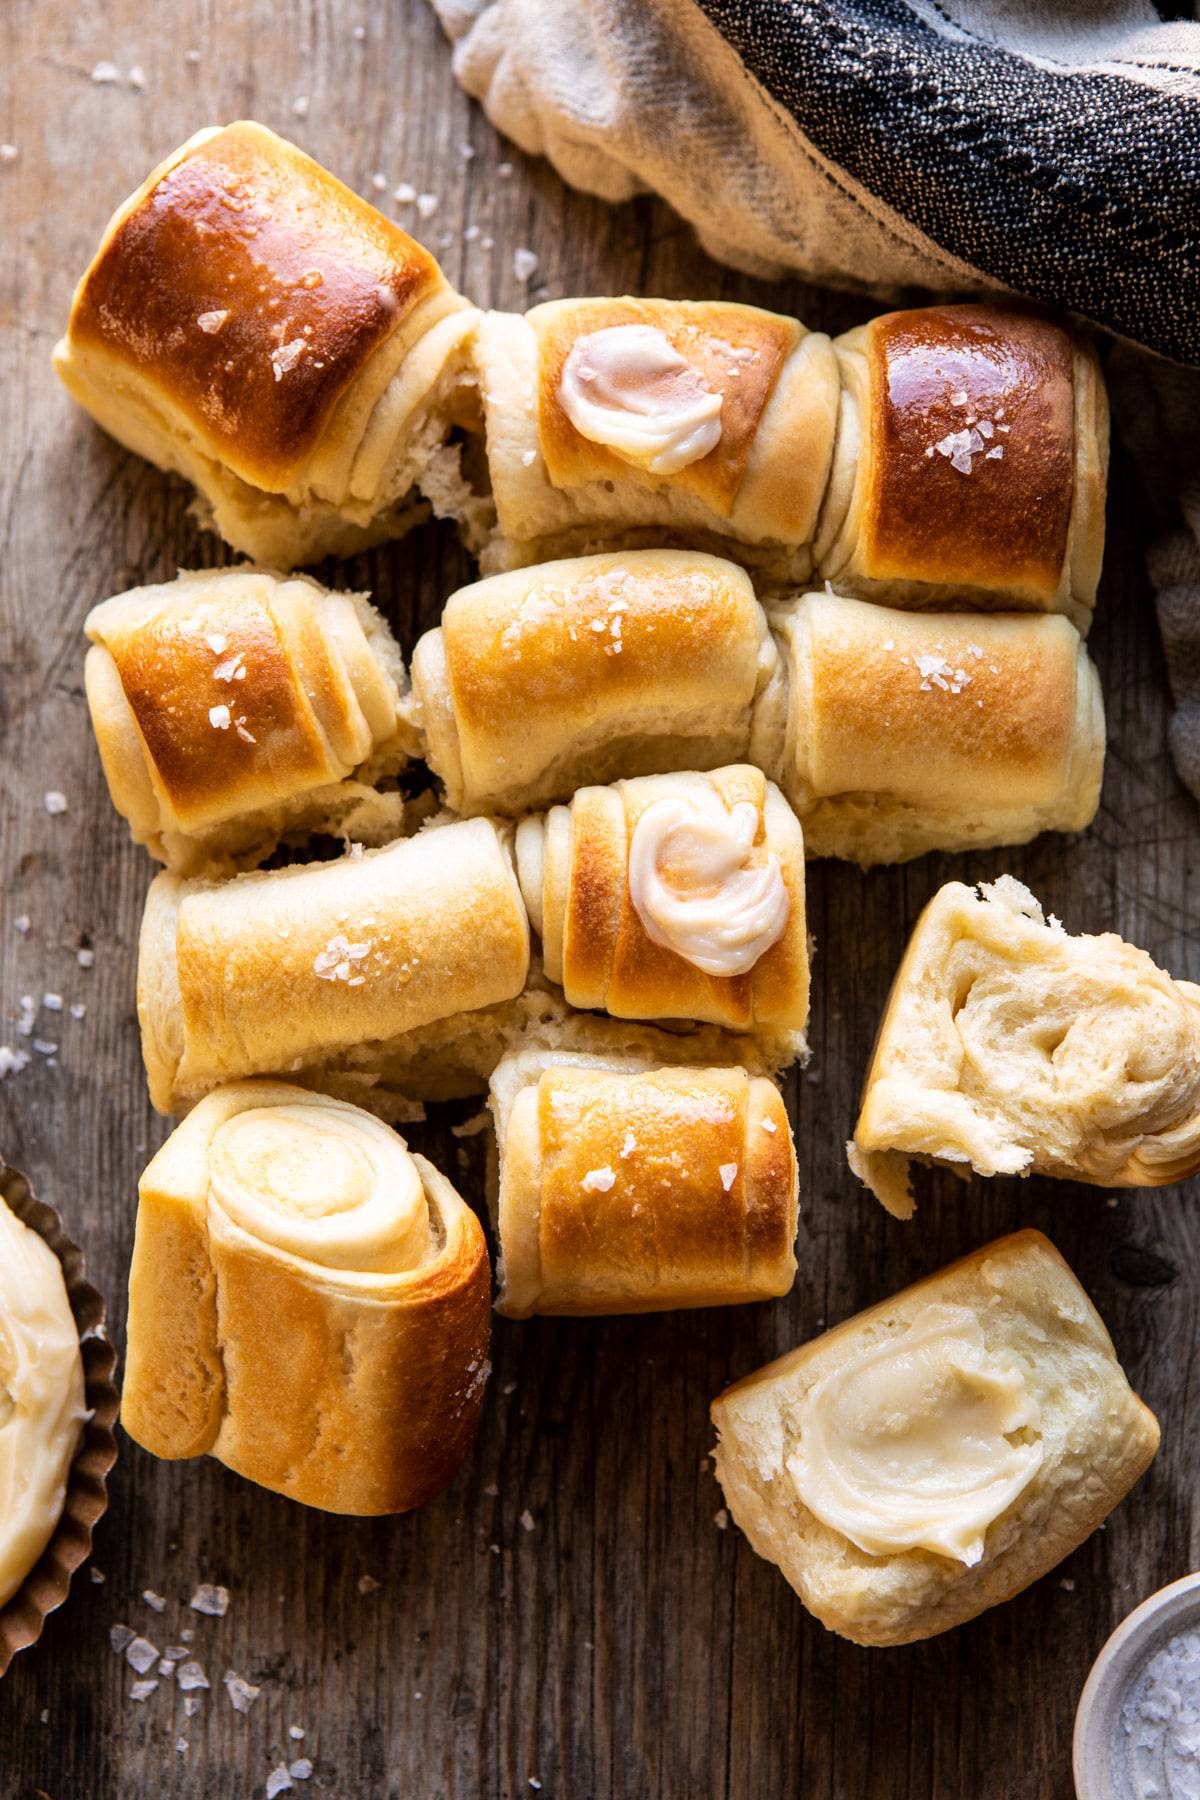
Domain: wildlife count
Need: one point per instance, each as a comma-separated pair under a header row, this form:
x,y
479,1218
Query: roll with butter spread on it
x,y
42,1410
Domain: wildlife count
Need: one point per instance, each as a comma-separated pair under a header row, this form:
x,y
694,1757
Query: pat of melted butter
x,y
920,1441
697,889
628,388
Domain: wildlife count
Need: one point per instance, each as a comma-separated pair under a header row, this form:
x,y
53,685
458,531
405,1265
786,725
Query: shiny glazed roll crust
x,y
1090,1435
232,705
626,1187
971,463
895,733
539,681
254,325
759,486
286,969
574,867
1009,1047
308,1303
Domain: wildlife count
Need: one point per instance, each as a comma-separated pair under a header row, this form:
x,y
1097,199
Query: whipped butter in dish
x,y
41,1398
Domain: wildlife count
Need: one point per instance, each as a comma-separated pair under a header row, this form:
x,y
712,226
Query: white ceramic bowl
x,y
1111,1763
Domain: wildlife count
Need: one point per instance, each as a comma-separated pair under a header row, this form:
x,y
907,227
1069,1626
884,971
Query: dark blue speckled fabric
x,y
1080,189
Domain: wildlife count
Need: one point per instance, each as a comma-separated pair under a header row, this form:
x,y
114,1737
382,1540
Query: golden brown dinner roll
x,y
308,1303
626,1186
1009,1047
971,463
937,1453
234,706
622,421
541,680
894,733
254,325
674,897
292,969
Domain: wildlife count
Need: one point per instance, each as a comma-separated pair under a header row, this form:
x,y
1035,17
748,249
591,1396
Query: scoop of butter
x,y
628,388
697,889
41,1398
919,1442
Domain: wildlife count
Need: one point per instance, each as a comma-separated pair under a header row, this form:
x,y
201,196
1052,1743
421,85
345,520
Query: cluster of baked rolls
x,y
254,325
604,927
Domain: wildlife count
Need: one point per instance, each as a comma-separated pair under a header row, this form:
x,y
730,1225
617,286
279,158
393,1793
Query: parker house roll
x,y
234,706
624,1186
674,897
1008,1047
254,325
936,1454
971,463
308,1303
615,421
896,733
541,680
296,969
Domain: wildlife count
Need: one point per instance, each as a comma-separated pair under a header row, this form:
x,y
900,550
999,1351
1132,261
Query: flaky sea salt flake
x,y
279,1781
242,1694
210,1600
211,322
286,356
598,1181
525,264
141,1654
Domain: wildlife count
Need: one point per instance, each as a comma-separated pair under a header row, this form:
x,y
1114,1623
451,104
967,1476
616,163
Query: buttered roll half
x,y
234,706
615,421
42,1411
541,680
971,463
290,969
934,1455
255,326
308,1302
674,897
895,733
1009,1047
628,1186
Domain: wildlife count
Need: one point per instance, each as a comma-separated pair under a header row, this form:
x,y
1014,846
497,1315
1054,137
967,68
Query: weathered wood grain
x,y
625,1647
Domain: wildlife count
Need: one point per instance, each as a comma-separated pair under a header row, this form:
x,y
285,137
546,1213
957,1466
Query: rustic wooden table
x,y
570,1617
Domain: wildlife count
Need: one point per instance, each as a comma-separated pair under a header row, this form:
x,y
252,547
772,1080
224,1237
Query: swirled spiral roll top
x,y
322,1183
308,1303
229,698
1010,1047
673,896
